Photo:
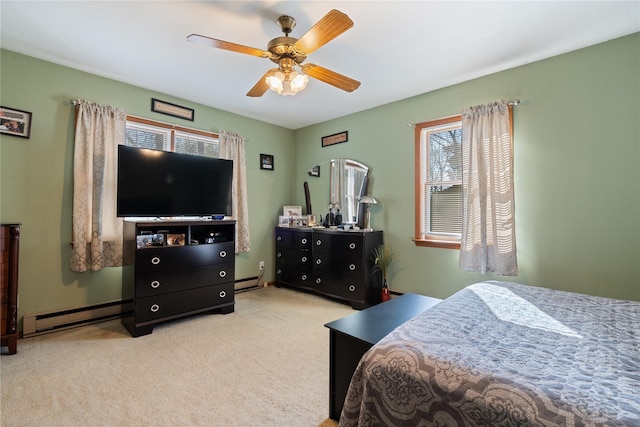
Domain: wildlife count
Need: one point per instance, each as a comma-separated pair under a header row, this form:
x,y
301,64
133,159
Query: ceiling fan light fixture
x,y
298,81
287,84
275,81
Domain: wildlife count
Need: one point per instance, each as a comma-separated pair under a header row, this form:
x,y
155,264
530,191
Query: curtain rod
x,y
511,103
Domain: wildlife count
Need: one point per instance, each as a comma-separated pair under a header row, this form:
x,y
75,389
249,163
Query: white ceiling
x,y
397,49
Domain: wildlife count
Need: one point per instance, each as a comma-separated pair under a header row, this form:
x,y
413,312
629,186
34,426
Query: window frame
x,y
173,129
435,241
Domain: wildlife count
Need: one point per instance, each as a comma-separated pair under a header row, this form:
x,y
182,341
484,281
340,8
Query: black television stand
x,y
179,277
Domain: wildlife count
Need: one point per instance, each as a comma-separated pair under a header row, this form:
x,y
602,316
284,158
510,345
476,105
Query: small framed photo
x,y
175,239
266,161
289,211
157,239
283,221
15,122
143,241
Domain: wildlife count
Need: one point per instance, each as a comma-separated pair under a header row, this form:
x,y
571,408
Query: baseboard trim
x,y
53,321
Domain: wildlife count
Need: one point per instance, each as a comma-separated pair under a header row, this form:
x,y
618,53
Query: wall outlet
x,y
261,266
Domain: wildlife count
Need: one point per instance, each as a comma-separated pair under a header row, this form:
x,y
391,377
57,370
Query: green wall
x,y
577,172
36,177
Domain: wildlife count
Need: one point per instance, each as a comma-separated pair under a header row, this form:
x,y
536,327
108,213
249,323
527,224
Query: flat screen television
x,y
153,183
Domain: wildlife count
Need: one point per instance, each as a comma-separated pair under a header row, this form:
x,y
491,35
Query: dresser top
x,y
374,323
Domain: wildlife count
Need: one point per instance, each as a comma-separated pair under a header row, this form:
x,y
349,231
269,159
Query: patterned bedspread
x,y
504,354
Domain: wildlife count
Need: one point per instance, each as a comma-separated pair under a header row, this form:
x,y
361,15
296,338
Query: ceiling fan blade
x,y
261,87
221,44
326,29
331,77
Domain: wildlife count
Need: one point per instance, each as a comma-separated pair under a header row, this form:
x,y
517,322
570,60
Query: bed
x,y
504,354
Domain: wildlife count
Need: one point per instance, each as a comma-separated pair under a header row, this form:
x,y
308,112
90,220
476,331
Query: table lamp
x,y
368,200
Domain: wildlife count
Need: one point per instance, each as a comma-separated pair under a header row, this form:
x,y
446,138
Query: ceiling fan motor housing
x,y
283,47
287,23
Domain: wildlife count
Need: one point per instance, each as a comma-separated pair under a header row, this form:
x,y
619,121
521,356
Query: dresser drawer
x,y
341,265
338,243
293,257
340,286
296,239
294,276
182,257
158,282
183,302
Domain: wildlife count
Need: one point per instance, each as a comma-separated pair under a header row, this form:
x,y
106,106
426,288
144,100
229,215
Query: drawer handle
x,y
352,267
223,273
155,284
352,288
304,277
155,307
279,255
304,259
279,238
318,280
352,245
278,271
223,254
222,294
318,242
318,261
155,260
304,241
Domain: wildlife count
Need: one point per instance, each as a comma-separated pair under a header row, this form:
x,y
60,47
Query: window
x,y
161,136
438,183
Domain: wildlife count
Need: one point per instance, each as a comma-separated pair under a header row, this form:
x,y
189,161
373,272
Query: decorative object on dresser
x,y
334,263
195,275
9,250
367,201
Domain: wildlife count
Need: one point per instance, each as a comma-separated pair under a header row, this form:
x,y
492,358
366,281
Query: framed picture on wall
x,y
15,122
266,161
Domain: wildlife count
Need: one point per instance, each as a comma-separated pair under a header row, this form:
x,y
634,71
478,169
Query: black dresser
x,y
175,269
330,262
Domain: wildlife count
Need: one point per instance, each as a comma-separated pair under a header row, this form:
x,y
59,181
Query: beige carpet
x,y
264,365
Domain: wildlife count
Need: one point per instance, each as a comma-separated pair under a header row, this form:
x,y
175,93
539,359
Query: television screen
x,y
154,183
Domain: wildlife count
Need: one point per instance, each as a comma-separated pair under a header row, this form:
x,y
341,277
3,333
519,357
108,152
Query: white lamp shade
x,y
368,199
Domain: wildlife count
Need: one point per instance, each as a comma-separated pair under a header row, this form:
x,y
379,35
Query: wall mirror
x,y
348,183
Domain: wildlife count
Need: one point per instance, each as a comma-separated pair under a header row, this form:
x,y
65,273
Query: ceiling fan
x,y
289,53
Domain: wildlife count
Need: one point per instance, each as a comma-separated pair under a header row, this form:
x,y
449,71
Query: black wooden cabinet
x,y
352,336
171,281
331,262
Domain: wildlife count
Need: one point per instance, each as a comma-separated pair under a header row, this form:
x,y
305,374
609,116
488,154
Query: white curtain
x,y
97,231
232,148
488,231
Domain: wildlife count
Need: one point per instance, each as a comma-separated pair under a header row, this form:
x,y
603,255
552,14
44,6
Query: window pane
x,y
196,144
446,209
138,135
445,156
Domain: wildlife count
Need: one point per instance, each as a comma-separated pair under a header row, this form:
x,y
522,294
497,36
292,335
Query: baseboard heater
x,y
36,324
